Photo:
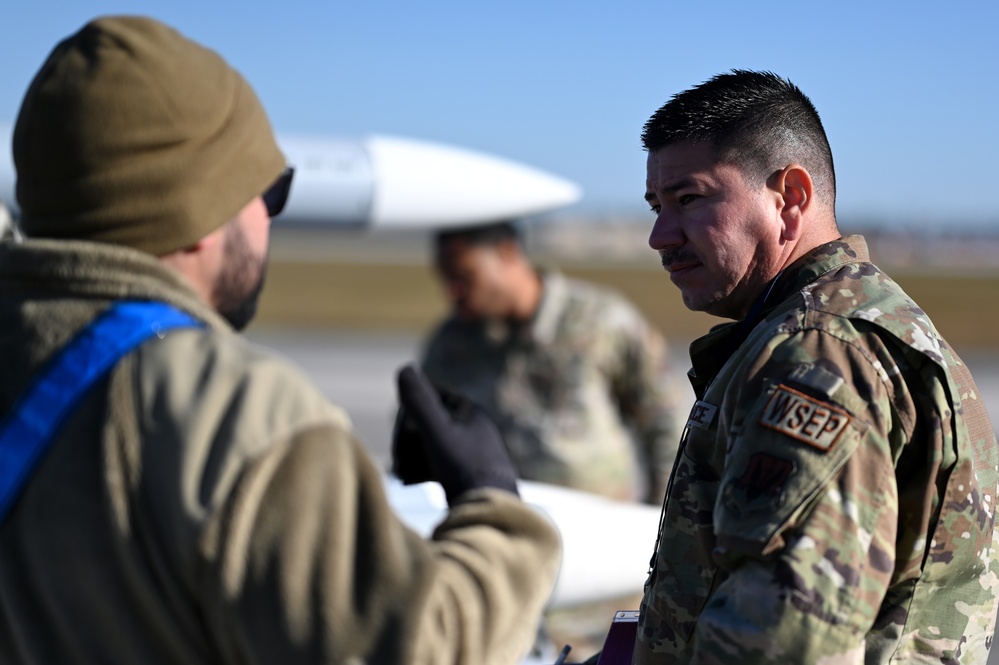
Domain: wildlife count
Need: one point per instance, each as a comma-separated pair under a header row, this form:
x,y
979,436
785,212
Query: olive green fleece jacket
x,y
206,504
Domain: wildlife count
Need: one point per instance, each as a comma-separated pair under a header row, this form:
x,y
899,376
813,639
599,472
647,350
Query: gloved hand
x,y
444,436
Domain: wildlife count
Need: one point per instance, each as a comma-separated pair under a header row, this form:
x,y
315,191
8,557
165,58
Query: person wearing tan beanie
x,y
169,492
133,135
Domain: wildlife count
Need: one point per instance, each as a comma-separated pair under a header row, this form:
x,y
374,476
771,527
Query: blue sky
x,y
908,91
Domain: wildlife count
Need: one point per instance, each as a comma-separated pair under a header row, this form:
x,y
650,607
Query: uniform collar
x,y
821,260
98,271
709,353
544,325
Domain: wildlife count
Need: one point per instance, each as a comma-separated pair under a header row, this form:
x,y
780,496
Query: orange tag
x,y
804,418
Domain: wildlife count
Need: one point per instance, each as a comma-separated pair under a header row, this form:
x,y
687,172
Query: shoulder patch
x,y
765,475
804,418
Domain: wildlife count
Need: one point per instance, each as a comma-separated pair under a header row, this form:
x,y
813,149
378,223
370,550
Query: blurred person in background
x,y
578,382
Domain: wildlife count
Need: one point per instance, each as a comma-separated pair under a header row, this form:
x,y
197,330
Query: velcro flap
x,y
789,449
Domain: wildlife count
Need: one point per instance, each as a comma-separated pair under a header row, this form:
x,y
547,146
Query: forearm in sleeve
x,y
307,563
818,596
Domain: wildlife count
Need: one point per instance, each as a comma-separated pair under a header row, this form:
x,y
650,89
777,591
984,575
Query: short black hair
x,y
490,234
757,121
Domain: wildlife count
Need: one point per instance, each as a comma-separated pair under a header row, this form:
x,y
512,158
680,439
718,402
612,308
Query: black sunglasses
x,y
276,195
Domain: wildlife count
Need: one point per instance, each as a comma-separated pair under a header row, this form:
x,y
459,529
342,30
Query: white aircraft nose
x,y
383,182
426,184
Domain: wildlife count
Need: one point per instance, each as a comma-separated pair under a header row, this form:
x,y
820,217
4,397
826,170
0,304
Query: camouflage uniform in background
x,y
835,493
572,390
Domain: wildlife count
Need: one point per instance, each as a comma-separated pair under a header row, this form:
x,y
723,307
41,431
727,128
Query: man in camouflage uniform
x,y
834,495
572,373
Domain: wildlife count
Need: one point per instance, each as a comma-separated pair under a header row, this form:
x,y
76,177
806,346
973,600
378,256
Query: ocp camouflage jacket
x,y
835,495
583,392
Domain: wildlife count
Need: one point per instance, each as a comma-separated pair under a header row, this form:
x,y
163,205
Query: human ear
x,y
206,243
794,186
199,246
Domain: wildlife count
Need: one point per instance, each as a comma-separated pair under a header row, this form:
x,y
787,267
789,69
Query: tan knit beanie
x,y
134,135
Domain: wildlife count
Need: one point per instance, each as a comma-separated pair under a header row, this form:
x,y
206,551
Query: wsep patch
x,y
804,418
701,415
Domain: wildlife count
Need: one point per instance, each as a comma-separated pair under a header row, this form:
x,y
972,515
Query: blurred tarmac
x,y
356,370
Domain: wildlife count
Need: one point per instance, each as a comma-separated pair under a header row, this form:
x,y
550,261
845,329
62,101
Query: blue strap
x,y
53,394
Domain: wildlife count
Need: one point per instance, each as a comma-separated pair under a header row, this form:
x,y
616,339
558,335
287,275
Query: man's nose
x,y
665,233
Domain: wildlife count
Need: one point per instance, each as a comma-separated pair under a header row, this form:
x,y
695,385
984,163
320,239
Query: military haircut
x,y
490,235
756,121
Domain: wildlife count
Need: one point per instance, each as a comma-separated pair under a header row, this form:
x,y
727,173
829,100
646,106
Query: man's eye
x,y
655,208
687,198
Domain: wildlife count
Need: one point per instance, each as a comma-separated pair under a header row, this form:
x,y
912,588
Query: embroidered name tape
x,y
701,415
804,418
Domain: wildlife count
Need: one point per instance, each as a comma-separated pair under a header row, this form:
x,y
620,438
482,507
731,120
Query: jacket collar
x,y
544,326
709,353
97,271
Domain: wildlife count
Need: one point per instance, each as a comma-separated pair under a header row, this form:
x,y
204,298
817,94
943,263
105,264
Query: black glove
x,y
443,436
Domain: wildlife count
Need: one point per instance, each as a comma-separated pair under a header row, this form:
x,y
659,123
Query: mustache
x,y
670,256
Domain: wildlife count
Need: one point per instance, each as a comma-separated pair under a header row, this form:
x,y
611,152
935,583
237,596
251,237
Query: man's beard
x,y
241,280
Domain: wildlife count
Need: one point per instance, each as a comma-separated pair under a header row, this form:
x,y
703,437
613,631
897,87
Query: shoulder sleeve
x,y
647,392
305,558
807,510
